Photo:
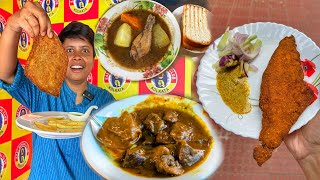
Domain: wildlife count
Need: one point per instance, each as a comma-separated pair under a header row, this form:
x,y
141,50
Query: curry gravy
x,y
200,139
234,90
122,55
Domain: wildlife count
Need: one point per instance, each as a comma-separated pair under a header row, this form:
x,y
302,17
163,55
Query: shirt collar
x,y
73,95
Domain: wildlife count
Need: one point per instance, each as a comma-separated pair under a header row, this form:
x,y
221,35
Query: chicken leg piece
x,y
141,45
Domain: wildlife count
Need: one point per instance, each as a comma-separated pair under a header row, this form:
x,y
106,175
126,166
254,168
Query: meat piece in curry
x,y
171,116
134,157
154,123
164,138
171,143
181,131
120,133
149,138
187,155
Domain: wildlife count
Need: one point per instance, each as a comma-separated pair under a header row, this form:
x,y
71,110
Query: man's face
x,y
80,54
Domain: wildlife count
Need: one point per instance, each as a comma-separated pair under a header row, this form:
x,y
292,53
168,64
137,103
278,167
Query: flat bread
x,y
47,64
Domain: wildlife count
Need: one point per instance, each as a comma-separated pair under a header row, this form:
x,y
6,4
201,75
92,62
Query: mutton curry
x,y
156,142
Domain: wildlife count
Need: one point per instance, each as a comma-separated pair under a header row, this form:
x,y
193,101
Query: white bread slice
x,y
195,28
193,48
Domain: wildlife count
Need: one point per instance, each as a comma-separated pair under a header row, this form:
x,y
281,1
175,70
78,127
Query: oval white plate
x,y
104,166
249,125
149,72
26,122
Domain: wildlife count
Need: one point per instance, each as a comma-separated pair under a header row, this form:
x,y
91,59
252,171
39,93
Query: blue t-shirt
x,y
53,158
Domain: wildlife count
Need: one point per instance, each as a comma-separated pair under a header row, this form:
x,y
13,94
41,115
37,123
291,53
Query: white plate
x,y
146,73
104,165
27,122
249,125
178,15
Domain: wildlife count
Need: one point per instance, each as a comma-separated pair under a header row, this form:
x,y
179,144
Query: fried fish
x,y
283,98
47,64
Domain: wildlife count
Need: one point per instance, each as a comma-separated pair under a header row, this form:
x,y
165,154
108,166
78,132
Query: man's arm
x,y
34,21
8,50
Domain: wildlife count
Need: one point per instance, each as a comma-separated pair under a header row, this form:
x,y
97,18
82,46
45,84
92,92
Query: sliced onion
x,y
245,68
239,49
236,50
240,38
253,68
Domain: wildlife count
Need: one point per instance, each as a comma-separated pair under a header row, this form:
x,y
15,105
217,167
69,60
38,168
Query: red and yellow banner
x,y
5,160
16,143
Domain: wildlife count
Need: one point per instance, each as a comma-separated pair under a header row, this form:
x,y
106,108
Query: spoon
x,y
76,116
95,126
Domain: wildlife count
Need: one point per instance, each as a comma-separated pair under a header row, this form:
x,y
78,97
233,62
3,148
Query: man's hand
x,y
304,144
33,19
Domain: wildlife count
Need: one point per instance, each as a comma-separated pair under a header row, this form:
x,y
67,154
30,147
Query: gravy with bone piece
x,y
170,143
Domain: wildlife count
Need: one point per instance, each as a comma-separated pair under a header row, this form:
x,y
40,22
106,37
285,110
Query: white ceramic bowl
x,y
149,72
104,165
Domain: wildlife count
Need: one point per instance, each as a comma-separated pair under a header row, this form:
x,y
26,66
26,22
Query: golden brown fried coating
x,y
261,154
284,96
47,64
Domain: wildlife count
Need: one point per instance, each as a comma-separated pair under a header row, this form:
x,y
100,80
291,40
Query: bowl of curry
x,y
153,136
137,39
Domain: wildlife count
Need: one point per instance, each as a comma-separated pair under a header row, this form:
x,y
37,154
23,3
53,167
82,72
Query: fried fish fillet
x,y
47,64
284,96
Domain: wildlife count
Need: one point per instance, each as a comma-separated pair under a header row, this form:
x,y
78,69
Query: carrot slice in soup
x,y
131,20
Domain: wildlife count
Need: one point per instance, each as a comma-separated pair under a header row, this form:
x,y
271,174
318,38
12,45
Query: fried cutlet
x,y
47,64
284,96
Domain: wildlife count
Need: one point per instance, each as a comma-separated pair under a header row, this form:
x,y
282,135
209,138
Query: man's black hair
x,y
78,30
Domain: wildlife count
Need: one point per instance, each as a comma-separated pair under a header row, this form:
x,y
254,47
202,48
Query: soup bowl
x,y
104,163
143,73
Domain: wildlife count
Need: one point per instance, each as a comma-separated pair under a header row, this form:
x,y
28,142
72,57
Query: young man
x,y
51,158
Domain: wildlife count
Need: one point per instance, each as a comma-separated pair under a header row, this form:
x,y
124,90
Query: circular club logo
x,y
22,110
90,78
50,6
21,3
163,83
3,120
115,84
24,42
3,164
2,23
21,155
80,6
116,1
